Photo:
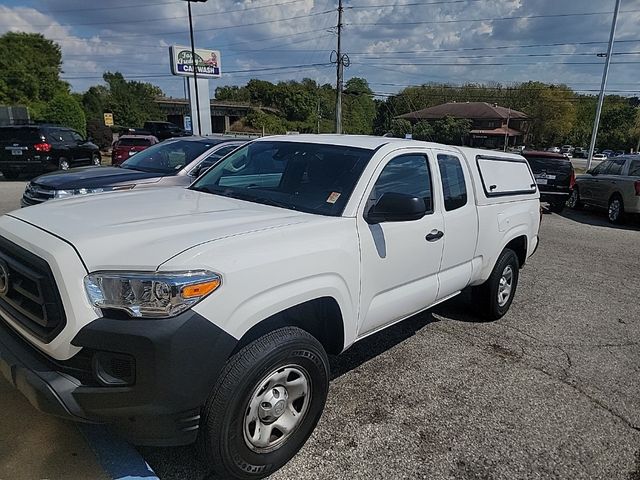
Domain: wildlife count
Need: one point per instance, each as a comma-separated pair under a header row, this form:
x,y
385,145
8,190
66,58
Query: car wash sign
x,y
207,62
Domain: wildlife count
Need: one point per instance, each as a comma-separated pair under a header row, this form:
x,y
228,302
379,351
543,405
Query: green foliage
x,y
423,131
400,127
359,109
30,66
270,123
65,110
451,131
132,103
100,133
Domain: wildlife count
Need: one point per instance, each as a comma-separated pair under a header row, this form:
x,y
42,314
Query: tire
x,y
282,362
486,295
574,201
10,174
63,164
615,211
96,160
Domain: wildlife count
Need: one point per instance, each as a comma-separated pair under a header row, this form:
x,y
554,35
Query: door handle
x,y
434,235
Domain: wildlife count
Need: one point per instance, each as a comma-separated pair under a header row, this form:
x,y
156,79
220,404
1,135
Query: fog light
x,y
114,369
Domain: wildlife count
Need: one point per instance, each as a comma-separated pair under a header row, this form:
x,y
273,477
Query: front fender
x,y
264,304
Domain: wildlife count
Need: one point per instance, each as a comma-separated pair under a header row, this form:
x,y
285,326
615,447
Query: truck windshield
x,y
168,157
308,177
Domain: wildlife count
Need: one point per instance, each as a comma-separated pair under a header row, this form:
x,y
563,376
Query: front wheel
x,y
96,160
494,296
265,405
63,164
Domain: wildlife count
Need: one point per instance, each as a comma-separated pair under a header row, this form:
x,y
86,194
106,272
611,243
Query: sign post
x,y
206,64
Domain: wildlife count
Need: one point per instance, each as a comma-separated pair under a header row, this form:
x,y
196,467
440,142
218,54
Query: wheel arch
x,y
320,317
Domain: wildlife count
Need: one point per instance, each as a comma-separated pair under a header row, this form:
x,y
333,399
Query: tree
x,y
132,103
94,102
452,131
423,131
65,110
30,66
400,127
359,109
100,133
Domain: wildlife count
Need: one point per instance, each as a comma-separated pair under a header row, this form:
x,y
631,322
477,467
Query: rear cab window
x,y
502,176
454,187
548,164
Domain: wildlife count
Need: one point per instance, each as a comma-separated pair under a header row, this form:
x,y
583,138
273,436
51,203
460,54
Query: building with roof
x,y
492,124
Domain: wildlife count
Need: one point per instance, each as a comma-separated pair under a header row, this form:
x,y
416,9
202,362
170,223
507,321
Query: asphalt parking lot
x,y
549,391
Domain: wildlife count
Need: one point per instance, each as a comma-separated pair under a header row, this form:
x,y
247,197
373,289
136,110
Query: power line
x,y
512,55
494,64
109,8
146,20
160,75
226,27
440,2
490,19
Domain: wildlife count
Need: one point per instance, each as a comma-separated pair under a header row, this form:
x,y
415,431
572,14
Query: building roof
x,y
511,132
470,110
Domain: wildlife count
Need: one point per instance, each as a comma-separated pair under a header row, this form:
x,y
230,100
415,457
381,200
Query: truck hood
x,y
139,230
93,177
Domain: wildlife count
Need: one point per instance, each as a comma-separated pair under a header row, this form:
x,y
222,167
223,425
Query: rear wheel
x,y
494,296
63,164
616,210
10,174
265,405
96,160
574,200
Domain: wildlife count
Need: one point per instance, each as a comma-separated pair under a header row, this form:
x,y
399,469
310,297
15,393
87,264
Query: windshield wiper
x,y
227,192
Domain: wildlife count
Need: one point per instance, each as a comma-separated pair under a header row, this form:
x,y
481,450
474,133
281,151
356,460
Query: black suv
x,y
43,148
164,130
554,175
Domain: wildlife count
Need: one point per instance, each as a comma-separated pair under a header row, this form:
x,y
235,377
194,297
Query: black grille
x,y
35,194
32,298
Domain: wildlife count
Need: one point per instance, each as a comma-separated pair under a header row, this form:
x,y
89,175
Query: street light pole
x,y
195,73
603,86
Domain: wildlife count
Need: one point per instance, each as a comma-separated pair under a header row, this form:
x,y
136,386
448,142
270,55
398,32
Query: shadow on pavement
x,y
598,218
184,462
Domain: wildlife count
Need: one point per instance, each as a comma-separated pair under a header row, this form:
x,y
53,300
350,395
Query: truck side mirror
x,y
396,207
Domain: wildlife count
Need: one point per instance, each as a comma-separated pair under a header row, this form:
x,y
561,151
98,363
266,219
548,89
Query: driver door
x,y
400,260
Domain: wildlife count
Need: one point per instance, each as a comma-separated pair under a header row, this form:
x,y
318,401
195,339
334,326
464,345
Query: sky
x,y
392,44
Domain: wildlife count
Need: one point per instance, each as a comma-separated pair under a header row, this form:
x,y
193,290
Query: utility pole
x,y
318,115
603,86
341,61
195,73
506,132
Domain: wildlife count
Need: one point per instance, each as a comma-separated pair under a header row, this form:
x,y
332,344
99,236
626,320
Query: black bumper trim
x,y
178,361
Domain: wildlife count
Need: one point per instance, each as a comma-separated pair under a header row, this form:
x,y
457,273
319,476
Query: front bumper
x,y
176,363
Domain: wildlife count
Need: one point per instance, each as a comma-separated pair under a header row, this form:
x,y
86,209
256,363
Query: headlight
x,y
150,294
86,191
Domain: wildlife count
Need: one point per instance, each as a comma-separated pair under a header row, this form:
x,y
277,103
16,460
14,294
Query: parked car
x,y
608,153
33,149
567,150
580,152
599,157
174,162
165,130
206,314
128,145
553,149
613,184
554,175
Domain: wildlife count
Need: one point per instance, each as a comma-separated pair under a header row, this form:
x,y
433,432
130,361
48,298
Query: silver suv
x,y
614,184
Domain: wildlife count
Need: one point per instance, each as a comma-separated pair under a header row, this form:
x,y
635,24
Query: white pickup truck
x,y
207,313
